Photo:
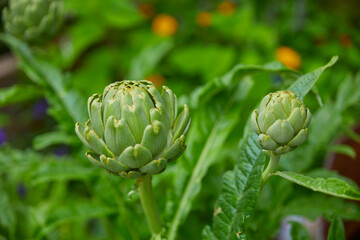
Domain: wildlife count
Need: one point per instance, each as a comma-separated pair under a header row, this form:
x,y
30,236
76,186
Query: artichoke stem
x,y
271,167
149,205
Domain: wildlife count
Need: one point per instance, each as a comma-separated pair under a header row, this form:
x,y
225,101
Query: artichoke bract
x,y
33,20
281,122
133,129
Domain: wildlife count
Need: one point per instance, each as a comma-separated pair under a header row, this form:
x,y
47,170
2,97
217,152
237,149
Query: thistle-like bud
x,y
33,20
281,122
133,129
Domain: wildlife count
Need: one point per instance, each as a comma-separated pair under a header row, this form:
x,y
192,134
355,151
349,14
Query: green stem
x,y
149,205
271,167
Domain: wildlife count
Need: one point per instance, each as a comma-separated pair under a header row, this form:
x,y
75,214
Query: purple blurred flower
x,y
3,136
21,190
61,150
39,109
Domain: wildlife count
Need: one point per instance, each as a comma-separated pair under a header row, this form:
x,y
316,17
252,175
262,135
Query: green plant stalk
x,y
149,205
271,167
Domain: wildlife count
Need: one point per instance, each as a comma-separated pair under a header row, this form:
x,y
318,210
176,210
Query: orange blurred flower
x,y
227,8
203,19
289,57
157,79
164,25
345,40
147,10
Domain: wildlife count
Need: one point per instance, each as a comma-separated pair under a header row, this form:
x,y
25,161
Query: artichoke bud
x,y
281,122
33,21
134,129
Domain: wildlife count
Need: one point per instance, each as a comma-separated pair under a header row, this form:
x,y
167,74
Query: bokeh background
x,y
182,44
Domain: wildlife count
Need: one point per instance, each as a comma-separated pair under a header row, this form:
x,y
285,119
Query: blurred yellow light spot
x,y
203,19
227,8
289,57
147,10
164,25
345,40
157,79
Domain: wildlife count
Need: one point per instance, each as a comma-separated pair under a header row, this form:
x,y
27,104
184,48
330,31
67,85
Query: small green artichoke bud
x,y
133,129
281,122
33,20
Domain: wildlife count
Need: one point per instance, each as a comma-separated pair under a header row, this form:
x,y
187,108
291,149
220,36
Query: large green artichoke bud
x,y
33,20
133,129
281,122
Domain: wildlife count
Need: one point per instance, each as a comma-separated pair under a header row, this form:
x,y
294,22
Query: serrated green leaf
x,y
240,192
299,232
18,93
211,126
326,173
207,91
304,84
337,230
331,186
251,150
221,123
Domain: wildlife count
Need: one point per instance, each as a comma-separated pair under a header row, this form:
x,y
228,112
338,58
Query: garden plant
x,y
187,120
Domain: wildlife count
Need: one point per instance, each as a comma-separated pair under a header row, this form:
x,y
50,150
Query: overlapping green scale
x,y
281,122
134,129
33,20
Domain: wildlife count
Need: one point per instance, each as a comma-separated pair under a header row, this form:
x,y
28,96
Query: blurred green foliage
x,y
221,66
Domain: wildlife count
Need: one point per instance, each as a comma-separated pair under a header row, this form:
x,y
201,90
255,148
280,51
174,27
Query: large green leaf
x,y
331,186
211,125
18,93
207,91
302,87
206,139
307,81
